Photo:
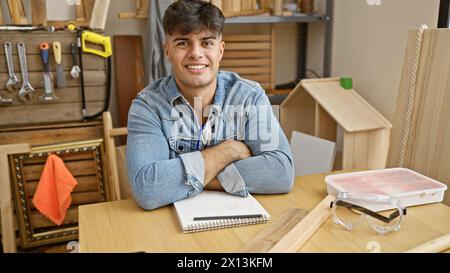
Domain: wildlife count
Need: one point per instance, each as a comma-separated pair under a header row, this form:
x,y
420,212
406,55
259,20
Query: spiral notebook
x,y
214,210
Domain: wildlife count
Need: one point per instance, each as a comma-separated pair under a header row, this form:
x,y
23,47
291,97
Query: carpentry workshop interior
x,y
349,155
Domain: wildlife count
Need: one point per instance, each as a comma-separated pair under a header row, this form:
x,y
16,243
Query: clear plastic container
x,y
409,187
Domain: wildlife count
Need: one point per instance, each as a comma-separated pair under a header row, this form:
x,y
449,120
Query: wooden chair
x,y
115,159
252,56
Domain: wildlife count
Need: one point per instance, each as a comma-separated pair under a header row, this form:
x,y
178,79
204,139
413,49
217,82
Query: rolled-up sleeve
x,y
194,166
155,179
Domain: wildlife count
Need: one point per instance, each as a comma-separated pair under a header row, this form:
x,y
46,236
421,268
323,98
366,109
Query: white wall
x,y
369,44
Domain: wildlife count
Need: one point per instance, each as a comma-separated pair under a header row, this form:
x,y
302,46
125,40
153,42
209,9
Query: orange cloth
x,y
52,196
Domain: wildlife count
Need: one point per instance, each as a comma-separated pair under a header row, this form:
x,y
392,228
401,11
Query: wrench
x,y
4,101
13,83
27,89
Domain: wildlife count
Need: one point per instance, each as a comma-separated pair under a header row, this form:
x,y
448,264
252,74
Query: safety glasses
x,y
350,209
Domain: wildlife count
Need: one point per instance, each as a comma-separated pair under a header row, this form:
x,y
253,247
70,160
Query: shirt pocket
x,y
182,145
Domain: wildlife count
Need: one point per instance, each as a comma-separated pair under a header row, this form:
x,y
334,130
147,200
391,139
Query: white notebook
x,y
215,209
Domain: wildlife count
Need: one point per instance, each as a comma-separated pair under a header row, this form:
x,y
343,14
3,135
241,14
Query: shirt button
x,y
181,114
180,148
213,128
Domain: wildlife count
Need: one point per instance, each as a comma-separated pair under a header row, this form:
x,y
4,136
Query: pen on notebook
x,y
206,218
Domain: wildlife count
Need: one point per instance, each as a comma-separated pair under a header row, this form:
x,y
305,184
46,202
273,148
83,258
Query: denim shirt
x,y
165,139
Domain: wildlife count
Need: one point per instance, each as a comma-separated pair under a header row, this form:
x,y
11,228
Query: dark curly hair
x,y
190,16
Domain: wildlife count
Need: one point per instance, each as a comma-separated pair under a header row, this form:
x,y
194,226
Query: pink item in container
x,y
410,187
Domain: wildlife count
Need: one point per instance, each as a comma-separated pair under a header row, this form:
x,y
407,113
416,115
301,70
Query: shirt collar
x,y
173,93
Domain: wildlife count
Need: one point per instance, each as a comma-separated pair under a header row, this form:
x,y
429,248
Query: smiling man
x,y
201,129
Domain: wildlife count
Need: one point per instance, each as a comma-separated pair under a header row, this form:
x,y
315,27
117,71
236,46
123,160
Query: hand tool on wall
x,y
13,83
26,89
60,79
75,71
47,76
85,37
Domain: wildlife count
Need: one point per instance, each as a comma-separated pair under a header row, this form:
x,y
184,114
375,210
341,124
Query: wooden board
x,y
6,204
52,133
428,143
301,232
99,14
17,12
1,15
39,12
68,105
129,73
277,229
251,56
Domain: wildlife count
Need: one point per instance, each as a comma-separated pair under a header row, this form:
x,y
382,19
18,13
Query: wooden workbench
x,y
122,226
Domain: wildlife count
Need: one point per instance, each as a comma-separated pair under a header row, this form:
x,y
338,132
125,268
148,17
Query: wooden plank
x,y
346,107
64,157
266,4
246,38
99,14
301,232
248,46
46,113
6,204
250,70
326,127
244,62
142,9
85,184
272,56
439,244
217,3
39,12
257,78
430,125
78,198
64,95
246,53
111,165
91,78
81,14
277,229
88,7
1,15
302,106
17,12
76,168
125,188
40,221
129,73
378,148
34,39
90,62
52,134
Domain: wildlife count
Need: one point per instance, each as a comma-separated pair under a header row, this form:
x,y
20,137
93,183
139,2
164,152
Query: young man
x,y
200,128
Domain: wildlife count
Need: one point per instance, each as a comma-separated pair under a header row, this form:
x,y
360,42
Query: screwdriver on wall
x,y
47,76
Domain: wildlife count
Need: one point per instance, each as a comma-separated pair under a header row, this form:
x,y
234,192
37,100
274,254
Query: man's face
x,y
195,58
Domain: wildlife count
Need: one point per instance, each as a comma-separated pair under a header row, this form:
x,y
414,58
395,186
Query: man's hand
x,y
219,156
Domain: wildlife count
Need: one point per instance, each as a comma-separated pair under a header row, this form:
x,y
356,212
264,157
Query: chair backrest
x,y
251,56
115,159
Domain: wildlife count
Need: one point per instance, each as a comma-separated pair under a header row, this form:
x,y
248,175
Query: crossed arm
x,y
156,180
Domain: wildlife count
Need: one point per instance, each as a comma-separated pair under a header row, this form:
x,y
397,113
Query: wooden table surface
x,y
122,226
